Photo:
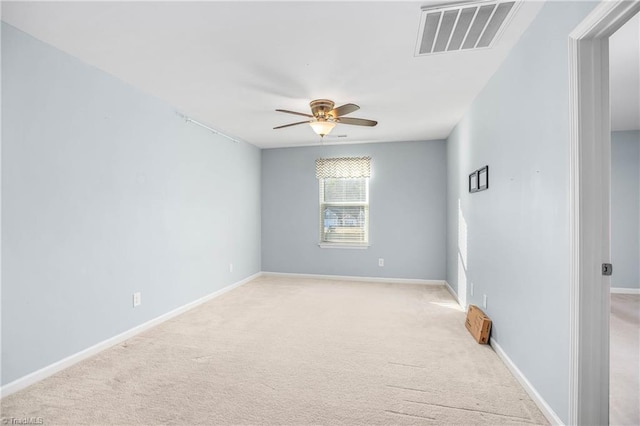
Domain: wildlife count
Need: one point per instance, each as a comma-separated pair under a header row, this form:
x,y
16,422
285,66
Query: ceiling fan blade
x,y
357,121
344,110
292,124
296,113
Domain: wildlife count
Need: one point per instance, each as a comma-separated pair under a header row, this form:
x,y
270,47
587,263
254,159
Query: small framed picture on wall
x,y
483,178
473,182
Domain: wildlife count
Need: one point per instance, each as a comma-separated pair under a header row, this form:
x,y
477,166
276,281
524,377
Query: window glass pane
x,y
345,190
344,223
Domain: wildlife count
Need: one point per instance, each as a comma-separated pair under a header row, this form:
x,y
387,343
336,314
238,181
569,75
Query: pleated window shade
x,y
344,200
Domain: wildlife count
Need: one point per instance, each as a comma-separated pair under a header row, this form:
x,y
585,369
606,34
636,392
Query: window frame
x,y
322,206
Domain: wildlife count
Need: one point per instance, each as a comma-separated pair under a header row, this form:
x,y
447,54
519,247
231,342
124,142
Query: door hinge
x,y
607,269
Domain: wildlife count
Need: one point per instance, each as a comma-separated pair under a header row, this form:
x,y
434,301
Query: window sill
x,y
344,246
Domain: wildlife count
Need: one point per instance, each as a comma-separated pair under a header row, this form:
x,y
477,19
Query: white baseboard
x,y
624,290
548,412
67,362
455,295
354,278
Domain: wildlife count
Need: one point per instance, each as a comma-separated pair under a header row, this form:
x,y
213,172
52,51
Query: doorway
x,y
624,329
590,182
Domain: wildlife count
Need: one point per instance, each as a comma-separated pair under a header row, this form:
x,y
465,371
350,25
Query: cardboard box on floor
x,y
478,324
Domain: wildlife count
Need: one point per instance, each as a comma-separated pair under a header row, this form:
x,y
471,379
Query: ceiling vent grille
x,y
462,27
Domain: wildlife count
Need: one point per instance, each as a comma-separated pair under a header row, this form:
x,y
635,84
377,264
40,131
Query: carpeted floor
x,y
624,396
293,351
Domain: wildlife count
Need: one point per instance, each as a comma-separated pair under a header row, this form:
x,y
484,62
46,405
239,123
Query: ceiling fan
x,y
324,116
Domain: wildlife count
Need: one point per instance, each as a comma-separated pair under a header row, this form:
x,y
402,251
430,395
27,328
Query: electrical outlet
x,y
484,301
231,267
381,262
137,299
471,289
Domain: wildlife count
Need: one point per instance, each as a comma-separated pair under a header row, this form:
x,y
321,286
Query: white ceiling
x,y
231,64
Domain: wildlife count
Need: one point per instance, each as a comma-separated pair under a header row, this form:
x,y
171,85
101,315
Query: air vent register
x,y
463,26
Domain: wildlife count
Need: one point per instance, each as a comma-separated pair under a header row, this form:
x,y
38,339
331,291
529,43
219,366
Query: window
x,y
344,201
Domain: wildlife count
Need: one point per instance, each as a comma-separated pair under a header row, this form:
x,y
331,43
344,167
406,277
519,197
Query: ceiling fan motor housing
x,y
320,108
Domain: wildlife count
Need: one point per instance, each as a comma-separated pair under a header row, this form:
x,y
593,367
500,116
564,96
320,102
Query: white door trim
x,y
590,175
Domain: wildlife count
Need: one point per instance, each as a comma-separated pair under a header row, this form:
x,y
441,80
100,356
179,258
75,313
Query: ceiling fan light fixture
x,y
324,117
322,128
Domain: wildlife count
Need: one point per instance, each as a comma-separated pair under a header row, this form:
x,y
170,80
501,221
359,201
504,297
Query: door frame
x,y
590,179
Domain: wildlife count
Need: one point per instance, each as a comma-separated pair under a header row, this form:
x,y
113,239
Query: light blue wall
x,y
105,192
625,209
407,212
512,241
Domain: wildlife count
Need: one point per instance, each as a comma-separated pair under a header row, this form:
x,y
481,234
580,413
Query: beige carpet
x,y
291,351
624,396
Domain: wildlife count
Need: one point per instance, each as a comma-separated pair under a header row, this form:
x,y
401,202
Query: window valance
x,y
343,167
